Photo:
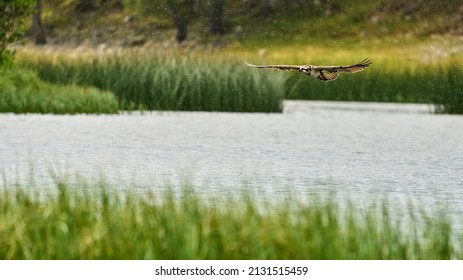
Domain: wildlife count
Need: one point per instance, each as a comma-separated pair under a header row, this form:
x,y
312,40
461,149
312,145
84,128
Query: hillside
x,y
140,22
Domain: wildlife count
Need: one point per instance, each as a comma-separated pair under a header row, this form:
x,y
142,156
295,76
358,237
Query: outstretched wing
x,y
280,67
354,68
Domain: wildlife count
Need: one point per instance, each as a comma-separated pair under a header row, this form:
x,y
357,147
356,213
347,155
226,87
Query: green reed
x,y
21,91
170,83
450,94
78,222
187,82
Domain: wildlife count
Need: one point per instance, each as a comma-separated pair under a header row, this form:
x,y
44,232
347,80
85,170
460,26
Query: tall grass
x,y
157,82
170,82
73,223
450,97
21,91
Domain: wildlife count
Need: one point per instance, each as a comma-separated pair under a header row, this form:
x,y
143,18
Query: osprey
x,y
324,73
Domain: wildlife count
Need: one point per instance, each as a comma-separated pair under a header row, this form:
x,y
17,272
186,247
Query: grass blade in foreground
x,y
77,224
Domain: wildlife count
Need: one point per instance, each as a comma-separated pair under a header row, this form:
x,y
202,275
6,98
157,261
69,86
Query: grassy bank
x,y
155,82
213,83
98,224
21,91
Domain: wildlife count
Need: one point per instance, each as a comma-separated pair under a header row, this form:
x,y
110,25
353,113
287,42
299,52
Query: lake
x,y
364,151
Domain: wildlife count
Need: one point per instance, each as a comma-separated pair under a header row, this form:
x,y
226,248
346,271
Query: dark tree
x,y
38,32
181,24
216,17
182,13
85,6
266,8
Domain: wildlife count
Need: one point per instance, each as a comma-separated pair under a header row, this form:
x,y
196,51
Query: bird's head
x,y
305,68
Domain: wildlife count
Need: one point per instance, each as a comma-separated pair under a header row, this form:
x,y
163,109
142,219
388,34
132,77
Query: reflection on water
x,y
361,150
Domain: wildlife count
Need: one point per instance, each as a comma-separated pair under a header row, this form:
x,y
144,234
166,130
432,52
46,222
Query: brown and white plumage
x,y
324,73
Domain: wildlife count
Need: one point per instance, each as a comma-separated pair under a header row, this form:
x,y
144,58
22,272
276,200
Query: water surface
x,y
361,150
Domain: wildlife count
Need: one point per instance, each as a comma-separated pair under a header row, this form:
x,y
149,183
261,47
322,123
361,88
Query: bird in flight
x,y
324,73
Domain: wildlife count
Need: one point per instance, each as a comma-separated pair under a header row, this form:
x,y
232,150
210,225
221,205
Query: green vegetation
x,y
169,82
256,23
449,98
21,91
11,27
80,222
157,82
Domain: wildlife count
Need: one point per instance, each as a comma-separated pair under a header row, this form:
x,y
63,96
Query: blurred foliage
x,y
97,221
251,21
11,28
22,91
144,7
153,82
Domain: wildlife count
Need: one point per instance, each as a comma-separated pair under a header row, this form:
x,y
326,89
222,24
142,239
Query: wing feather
x,y
324,73
328,76
354,68
280,67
